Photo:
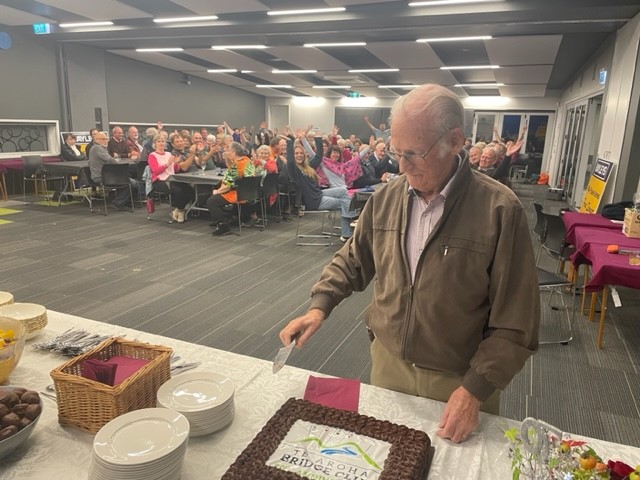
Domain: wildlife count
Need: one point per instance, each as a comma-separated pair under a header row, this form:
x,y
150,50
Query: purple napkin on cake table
x,y
127,366
342,393
99,371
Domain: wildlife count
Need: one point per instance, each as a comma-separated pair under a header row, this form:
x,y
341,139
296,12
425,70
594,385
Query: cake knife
x,y
282,356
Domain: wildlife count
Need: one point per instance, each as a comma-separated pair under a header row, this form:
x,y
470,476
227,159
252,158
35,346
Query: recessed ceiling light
x,y
85,24
274,86
453,39
470,67
479,85
202,18
333,86
398,86
434,3
246,71
172,49
303,12
339,44
222,70
294,71
373,70
238,47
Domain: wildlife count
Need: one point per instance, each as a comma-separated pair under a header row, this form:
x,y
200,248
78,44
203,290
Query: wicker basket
x,y
89,405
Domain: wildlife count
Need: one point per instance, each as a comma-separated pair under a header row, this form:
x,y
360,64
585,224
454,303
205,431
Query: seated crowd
x,y
324,168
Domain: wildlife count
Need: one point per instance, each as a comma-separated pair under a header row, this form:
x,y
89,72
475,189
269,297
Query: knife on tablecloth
x,y
282,356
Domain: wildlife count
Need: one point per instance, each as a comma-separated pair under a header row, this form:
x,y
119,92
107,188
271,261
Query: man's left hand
x,y
460,417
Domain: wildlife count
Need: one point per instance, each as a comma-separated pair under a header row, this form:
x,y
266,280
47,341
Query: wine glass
x,y
203,166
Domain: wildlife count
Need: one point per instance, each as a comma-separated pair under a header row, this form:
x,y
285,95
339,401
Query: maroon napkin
x,y
342,393
127,366
99,371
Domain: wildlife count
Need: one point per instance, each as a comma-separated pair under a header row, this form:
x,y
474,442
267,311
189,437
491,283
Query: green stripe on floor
x,y
8,211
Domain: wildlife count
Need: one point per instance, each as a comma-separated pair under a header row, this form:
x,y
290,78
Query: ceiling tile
x,y
103,10
13,17
405,54
207,7
419,77
230,59
523,74
523,90
159,59
308,58
534,49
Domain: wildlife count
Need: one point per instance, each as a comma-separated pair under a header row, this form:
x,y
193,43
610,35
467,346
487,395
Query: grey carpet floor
x,y
236,292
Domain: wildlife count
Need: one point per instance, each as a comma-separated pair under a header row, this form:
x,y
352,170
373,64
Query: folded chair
x,y
551,233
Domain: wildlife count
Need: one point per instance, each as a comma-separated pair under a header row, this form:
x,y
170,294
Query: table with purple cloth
x,y
591,244
576,219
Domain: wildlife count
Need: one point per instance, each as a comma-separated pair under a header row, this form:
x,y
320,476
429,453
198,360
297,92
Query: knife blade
x,y
282,356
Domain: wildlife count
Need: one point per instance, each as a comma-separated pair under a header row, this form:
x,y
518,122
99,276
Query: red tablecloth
x,y
575,219
606,268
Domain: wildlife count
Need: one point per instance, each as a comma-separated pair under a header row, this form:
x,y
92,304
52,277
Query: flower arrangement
x,y
542,452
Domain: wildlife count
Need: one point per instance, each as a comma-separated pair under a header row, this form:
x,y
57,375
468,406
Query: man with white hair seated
x,y
487,161
474,157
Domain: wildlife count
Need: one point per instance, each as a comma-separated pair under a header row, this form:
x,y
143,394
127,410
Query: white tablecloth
x,y
54,452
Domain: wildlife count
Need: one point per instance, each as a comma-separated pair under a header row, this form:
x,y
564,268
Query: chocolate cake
x,y
308,441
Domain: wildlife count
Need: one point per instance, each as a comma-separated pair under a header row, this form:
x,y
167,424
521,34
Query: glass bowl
x,y
13,334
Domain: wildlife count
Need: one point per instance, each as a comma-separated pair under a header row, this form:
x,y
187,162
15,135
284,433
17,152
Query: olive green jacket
x,y
474,307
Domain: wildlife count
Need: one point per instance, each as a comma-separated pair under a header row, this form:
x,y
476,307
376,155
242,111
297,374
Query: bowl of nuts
x,y
12,337
20,410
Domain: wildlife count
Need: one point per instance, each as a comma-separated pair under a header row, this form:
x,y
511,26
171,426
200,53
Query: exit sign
x,y
41,28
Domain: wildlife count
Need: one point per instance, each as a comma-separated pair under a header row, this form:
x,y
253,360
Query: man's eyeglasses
x,y
411,157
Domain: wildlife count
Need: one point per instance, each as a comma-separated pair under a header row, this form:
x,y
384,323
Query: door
x,y
483,127
589,151
278,116
571,149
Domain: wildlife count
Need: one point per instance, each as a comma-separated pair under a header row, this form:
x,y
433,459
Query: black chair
x,y
86,186
551,233
248,192
34,170
114,176
270,187
302,212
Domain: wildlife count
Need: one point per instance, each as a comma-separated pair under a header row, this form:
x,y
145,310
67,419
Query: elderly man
x,y
117,145
455,309
474,157
488,161
99,156
134,147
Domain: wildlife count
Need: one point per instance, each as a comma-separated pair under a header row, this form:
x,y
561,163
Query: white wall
x,y
322,113
616,101
583,86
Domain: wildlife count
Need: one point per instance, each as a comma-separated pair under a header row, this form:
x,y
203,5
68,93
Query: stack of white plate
x,y
32,316
147,444
205,398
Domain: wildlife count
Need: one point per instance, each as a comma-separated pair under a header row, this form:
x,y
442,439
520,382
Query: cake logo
x,y
326,453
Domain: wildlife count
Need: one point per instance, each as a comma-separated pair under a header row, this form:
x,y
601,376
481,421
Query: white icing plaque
x,y
326,453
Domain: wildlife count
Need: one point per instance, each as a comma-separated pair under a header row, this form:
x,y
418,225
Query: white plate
x,y
141,436
22,311
195,391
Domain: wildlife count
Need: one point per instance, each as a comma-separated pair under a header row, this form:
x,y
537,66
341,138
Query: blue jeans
x,y
338,198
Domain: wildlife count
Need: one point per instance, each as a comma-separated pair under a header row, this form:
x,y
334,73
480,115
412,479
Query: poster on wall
x,y
596,186
82,139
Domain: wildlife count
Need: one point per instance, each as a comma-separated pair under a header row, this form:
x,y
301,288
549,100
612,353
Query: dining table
x,y
199,178
591,235
56,452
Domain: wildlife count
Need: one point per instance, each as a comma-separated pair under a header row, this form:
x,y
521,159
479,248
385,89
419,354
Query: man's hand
x,y
303,326
460,416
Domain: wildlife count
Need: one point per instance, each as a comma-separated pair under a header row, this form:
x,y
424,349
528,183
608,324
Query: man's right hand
x,y
304,327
